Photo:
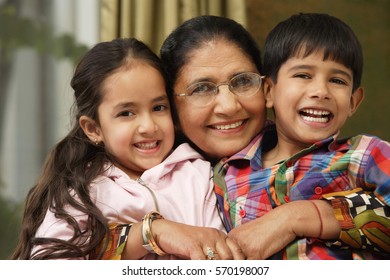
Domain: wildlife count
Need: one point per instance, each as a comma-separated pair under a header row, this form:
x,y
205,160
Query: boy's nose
x,y
320,90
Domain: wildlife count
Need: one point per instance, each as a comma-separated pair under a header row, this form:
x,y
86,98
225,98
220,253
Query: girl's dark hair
x,y
177,48
311,32
75,161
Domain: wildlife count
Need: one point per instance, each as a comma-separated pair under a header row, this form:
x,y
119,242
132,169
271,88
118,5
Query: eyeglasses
x,y
203,93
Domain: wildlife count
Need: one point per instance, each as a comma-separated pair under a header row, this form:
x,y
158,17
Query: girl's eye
x,y
159,108
125,114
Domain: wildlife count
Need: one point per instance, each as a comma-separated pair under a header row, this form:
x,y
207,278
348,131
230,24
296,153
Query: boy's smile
x,y
312,99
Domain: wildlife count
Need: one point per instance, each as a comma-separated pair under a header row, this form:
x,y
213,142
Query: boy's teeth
x,y
146,146
313,115
315,112
229,126
317,119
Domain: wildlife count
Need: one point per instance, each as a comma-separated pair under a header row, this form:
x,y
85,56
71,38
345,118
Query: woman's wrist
x,y
148,236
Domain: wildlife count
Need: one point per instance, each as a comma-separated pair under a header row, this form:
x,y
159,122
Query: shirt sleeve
x,y
117,242
363,218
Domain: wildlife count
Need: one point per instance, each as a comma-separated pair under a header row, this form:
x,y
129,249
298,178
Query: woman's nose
x,y
226,101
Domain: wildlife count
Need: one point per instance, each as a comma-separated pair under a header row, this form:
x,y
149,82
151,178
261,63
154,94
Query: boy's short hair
x,y
311,32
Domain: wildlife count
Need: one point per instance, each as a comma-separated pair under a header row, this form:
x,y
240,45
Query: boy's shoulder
x,y
362,142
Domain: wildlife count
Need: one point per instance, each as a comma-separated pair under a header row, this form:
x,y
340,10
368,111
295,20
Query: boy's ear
x,y
91,129
268,89
356,99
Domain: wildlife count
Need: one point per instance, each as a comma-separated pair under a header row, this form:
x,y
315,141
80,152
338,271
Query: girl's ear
x,y
268,92
356,99
91,129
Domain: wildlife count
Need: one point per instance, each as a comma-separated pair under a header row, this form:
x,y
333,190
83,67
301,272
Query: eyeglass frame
x,y
216,86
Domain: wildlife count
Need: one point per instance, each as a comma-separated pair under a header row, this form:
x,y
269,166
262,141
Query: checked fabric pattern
x,y
353,174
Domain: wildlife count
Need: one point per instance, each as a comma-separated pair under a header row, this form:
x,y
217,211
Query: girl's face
x,y
135,123
229,123
312,99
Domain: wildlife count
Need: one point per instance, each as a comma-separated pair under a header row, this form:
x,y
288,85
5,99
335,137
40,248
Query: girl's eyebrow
x,y
126,104
162,97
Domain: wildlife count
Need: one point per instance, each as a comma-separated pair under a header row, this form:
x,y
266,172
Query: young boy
x,y
313,64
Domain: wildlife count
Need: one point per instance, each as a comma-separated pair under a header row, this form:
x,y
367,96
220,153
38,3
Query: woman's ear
x,y
91,129
268,92
356,99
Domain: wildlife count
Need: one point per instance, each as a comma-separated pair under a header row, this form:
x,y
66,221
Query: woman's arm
x,y
181,240
267,235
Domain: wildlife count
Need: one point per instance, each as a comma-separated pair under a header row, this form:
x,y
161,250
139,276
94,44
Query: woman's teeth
x,y
228,126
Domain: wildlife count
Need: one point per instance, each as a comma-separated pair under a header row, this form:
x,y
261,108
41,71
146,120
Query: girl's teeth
x,y
228,126
146,146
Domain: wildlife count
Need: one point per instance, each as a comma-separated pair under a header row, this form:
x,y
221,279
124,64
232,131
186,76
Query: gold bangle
x,y
149,243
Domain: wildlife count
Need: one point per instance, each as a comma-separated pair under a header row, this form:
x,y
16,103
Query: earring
x,y
96,142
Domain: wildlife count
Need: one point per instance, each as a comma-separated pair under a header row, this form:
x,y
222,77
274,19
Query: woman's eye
x,y
202,89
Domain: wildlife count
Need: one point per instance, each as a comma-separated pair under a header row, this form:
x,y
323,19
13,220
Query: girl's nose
x,y
147,125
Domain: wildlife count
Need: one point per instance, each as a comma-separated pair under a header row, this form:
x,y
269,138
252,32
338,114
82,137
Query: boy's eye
x,y
338,81
302,75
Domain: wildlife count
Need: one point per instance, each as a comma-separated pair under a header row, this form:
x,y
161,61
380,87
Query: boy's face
x,y
312,99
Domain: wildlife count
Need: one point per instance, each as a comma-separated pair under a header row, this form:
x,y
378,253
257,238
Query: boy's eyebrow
x,y
342,72
334,70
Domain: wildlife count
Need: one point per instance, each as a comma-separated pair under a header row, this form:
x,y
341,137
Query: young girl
x,y
116,166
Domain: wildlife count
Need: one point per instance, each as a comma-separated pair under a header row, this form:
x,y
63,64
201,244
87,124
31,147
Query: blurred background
x,y
41,40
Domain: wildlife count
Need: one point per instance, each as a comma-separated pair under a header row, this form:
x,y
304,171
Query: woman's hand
x,y
267,235
183,241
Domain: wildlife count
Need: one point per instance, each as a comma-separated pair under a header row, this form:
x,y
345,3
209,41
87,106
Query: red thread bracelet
x,y
319,215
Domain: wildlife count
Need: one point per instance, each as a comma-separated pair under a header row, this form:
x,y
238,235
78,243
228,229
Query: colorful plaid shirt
x,y
353,174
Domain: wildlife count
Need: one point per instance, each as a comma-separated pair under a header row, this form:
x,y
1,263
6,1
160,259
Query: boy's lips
x,y
316,115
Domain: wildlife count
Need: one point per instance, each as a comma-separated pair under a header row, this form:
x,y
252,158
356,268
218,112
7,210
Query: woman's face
x,y
229,123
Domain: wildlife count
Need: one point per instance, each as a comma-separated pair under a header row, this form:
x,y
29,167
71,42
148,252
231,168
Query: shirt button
x,y
318,190
242,213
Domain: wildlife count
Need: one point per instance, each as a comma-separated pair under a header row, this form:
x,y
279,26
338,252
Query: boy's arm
x,y
364,212
364,220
